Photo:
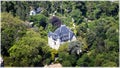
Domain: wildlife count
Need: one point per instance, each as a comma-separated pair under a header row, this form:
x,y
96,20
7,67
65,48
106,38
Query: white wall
x,y
74,38
56,44
53,44
32,12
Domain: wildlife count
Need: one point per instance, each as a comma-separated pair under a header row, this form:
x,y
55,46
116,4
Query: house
x,y
38,10
32,12
59,36
35,11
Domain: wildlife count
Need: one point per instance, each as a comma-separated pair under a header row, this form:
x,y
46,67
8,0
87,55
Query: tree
x,y
97,30
66,59
83,61
12,28
77,16
53,54
63,48
39,20
109,63
66,63
27,51
75,47
99,60
16,8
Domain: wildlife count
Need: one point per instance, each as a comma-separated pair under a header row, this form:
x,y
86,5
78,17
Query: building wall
x,y
53,44
50,42
73,39
32,12
56,44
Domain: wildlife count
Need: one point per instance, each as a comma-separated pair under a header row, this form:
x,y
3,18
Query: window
x,y
55,43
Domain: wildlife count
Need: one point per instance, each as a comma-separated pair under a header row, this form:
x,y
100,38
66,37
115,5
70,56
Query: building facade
x,y
59,36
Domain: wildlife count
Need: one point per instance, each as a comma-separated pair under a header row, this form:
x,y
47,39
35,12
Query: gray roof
x,y
63,33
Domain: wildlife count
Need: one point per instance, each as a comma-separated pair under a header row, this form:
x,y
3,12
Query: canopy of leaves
x,y
12,28
39,20
95,25
27,51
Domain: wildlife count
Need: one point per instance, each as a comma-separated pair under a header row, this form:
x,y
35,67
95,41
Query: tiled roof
x,y
63,33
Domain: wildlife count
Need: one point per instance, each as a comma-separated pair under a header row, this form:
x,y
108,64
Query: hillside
x,y
25,26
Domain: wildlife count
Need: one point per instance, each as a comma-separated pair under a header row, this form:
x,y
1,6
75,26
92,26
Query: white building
x,y
32,12
37,11
61,35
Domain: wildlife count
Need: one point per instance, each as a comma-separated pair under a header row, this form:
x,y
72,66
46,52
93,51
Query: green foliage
x,y
74,47
66,63
77,15
42,32
16,8
63,47
82,29
12,28
39,20
97,31
84,61
45,12
27,49
8,61
64,57
67,20
111,64
102,38
47,61
95,10
53,53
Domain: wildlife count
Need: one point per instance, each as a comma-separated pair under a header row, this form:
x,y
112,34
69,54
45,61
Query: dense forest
x,y
96,30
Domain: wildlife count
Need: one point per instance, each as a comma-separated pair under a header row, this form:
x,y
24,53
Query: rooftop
x,y
63,33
